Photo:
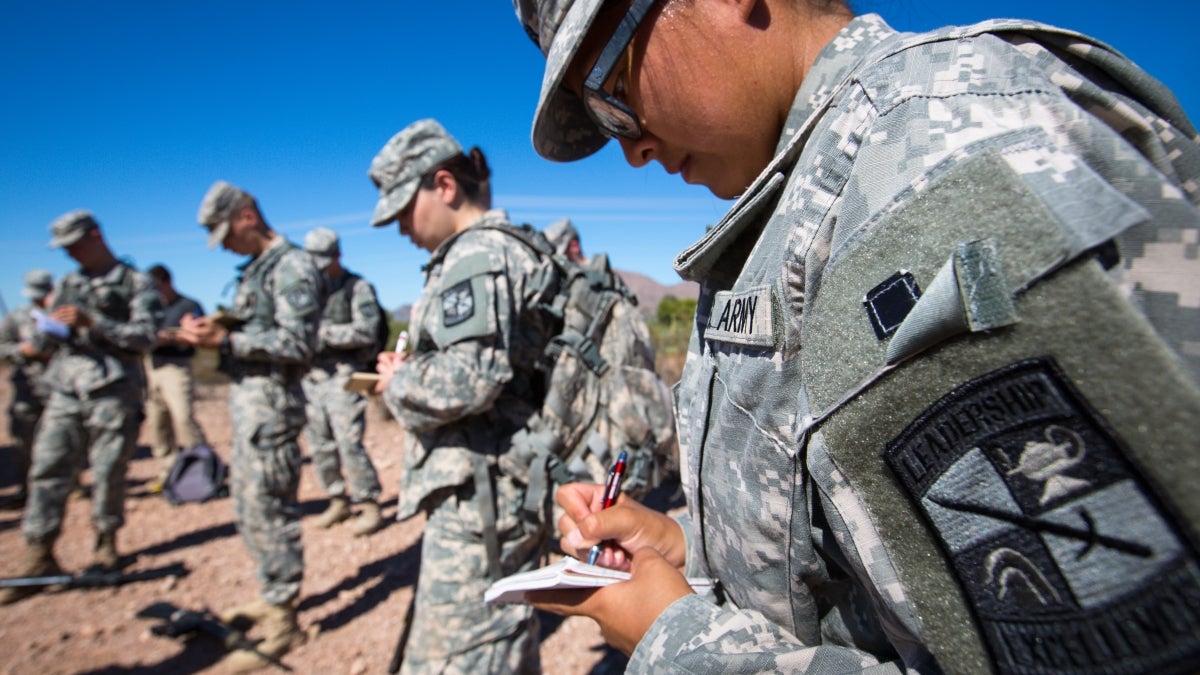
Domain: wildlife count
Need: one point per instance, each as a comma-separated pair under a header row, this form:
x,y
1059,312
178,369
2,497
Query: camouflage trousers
x,y
453,630
334,434
264,470
102,430
169,410
23,415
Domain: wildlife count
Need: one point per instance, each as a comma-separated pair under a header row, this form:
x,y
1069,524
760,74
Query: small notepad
x,y
565,574
362,382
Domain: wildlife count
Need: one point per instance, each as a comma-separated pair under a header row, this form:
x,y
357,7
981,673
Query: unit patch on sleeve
x,y
458,303
300,298
1067,557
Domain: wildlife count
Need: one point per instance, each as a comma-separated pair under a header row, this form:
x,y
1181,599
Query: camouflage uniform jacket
x,y
472,383
347,333
28,383
278,296
972,165
125,310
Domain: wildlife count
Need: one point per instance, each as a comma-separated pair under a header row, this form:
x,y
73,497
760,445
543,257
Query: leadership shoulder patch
x,y
1067,557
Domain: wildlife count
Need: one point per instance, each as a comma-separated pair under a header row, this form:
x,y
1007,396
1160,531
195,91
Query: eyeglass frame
x,y
593,87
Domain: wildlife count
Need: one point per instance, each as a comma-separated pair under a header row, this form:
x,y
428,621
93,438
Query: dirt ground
x,y
353,600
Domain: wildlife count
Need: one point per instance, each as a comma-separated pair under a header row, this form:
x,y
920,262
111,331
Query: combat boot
x,y
281,632
244,616
369,519
39,562
339,510
105,556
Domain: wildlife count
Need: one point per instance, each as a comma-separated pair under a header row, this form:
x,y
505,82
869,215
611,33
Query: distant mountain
x,y
648,291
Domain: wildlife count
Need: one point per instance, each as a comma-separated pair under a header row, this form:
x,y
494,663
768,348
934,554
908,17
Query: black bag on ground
x,y
197,476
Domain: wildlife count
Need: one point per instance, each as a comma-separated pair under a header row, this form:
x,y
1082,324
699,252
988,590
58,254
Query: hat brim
x,y
217,234
34,293
562,129
65,240
390,205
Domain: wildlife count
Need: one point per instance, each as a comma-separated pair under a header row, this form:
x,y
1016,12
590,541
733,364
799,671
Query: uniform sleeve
x,y
695,635
473,316
10,340
139,333
296,285
364,314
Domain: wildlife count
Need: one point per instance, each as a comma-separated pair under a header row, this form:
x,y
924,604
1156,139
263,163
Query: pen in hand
x,y
612,487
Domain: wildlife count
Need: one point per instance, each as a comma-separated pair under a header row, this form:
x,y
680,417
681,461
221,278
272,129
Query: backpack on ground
x,y
197,475
602,392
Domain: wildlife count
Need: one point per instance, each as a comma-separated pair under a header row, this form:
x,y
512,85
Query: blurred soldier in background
x,y
563,236
171,384
266,342
348,342
103,320
29,390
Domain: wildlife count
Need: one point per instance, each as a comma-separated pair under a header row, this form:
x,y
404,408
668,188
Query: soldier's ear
x,y
446,186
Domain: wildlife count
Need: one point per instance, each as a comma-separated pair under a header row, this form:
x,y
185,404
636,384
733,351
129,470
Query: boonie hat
x,y
218,207
407,156
562,130
560,234
38,284
322,244
70,228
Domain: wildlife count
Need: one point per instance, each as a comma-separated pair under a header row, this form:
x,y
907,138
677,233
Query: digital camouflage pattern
x,y
469,387
453,630
403,160
95,405
278,299
336,417
832,561
562,129
30,391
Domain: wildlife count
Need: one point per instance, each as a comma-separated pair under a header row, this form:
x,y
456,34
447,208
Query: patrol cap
x,y
562,130
217,210
70,228
407,156
322,244
560,234
38,284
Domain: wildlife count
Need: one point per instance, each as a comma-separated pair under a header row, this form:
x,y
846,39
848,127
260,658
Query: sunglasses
x,y
612,115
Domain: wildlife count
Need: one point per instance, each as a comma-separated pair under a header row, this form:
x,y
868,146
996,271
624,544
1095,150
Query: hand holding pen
x,y
612,488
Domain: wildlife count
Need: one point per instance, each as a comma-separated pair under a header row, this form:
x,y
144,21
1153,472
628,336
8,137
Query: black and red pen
x,y
612,488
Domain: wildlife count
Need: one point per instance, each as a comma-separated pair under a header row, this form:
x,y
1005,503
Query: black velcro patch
x,y
1069,561
458,303
888,303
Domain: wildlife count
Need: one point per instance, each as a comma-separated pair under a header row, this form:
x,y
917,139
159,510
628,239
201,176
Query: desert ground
x,y
353,600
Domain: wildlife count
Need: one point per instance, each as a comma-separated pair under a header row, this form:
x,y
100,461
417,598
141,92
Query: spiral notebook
x,y
565,574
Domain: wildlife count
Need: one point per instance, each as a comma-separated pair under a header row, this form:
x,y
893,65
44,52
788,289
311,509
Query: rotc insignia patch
x,y
458,304
300,298
888,303
1067,558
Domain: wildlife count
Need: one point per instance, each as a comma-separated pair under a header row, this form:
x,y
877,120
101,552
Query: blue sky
x,y
132,109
